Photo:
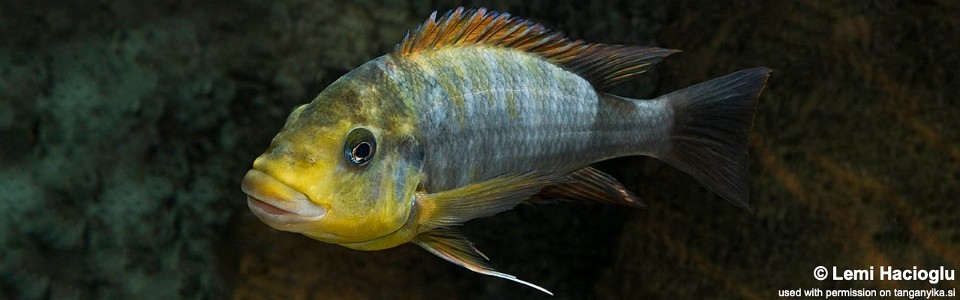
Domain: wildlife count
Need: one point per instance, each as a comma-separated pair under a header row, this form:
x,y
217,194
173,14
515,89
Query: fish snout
x,y
276,203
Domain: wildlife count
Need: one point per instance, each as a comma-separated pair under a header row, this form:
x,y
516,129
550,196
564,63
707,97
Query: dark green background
x,y
127,126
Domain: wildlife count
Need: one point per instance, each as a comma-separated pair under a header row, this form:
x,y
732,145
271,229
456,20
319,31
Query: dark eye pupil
x,y
361,151
360,147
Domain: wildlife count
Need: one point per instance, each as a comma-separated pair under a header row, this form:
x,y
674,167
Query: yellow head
x,y
345,168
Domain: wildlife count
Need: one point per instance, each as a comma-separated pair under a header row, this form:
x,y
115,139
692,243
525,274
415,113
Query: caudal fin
x,y
710,132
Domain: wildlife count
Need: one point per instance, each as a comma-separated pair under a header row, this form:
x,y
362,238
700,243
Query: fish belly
x,y
489,112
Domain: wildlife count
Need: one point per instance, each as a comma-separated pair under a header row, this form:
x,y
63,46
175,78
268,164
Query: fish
x,y
476,112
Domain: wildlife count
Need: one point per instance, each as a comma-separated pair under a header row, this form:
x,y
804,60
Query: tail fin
x,y
711,127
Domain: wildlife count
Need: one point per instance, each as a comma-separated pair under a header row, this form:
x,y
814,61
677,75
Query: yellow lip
x,y
276,203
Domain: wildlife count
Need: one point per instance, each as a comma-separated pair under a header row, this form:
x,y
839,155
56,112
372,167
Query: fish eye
x,y
359,147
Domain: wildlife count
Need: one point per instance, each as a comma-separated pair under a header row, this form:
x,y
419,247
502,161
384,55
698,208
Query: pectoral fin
x,y
482,199
452,246
588,184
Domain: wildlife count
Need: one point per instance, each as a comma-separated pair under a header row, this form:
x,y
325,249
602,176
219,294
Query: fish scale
x,y
517,112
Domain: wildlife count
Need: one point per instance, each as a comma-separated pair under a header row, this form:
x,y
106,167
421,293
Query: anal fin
x,y
452,246
588,184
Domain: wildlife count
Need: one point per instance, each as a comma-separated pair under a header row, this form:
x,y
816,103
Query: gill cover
x,y
351,151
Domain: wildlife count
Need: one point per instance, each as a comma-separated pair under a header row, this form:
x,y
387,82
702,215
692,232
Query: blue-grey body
x,y
485,112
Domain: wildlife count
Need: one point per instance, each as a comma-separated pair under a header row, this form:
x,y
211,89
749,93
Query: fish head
x,y
344,169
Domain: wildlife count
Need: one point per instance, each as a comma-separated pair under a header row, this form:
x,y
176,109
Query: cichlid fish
x,y
475,113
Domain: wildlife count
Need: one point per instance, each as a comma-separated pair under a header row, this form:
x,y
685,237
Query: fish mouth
x,y
276,203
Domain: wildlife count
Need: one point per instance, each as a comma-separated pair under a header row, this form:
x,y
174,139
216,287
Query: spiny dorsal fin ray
x,y
601,64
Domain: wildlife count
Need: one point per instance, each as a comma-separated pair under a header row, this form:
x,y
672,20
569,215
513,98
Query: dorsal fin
x,y
601,64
